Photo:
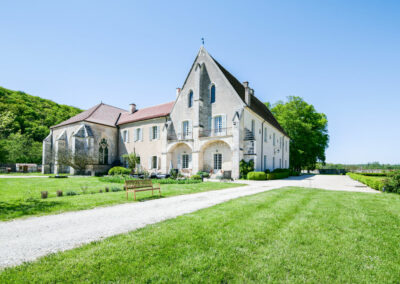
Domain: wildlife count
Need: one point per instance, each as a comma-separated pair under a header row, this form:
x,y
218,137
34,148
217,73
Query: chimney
x,y
247,93
133,108
178,91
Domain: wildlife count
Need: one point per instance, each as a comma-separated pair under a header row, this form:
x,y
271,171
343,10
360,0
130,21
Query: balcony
x,y
215,132
180,136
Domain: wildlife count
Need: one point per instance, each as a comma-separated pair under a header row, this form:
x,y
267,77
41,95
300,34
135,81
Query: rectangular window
x,y
285,164
265,135
274,138
185,126
154,132
154,162
218,124
265,162
138,136
217,161
280,163
185,161
253,127
125,135
273,163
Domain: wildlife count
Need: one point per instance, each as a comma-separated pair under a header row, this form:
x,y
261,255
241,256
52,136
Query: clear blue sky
x,y
341,56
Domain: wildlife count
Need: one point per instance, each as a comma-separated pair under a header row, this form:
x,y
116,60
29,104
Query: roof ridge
x,y
113,106
93,111
157,105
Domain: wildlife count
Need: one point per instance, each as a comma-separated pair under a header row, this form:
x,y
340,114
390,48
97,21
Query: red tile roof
x,y
101,113
146,113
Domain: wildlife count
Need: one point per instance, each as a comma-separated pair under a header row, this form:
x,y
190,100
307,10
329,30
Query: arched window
x,y
212,94
103,152
190,99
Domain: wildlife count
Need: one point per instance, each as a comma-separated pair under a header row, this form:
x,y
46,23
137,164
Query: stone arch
x,y
209,150
179,156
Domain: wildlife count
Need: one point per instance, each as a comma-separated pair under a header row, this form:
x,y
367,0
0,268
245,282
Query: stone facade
x,y
212,125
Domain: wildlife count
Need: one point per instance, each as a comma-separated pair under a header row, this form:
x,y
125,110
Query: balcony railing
x,y
180,136
215,132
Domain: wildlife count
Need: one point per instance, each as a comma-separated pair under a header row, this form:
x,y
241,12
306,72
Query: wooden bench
x,y
140,185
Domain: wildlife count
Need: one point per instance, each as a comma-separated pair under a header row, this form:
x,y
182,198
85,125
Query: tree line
x,y
25,121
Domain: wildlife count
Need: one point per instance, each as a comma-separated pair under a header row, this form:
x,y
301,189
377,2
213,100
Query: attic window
x,y
212,94
190,99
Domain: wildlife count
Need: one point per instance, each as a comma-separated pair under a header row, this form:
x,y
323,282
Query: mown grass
x,y
290,235
21,197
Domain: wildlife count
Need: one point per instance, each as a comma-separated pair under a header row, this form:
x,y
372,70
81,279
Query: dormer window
x,y
190,99
212,94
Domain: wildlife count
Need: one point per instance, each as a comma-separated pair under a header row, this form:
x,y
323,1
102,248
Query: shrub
x,y
177,181
257,176
372,182
106,189
71,193
245,168
173,173
115,189
204,174
392,183
278,175
294,173
374,174
44,194
267,171
119,171
59,193
100,191
195,177
115,178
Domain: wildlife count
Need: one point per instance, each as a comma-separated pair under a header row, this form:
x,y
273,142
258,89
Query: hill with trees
x,y
25,121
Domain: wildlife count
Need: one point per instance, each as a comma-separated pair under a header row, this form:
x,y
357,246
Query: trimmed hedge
x,y
278,175
372,182
373,174
119,171
256,176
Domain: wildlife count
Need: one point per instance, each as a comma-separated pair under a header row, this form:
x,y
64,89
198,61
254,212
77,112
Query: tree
x,y
307,129
21,149
133,160
78,160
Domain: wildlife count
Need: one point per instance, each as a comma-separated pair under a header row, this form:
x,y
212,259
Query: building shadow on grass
x,y
19,208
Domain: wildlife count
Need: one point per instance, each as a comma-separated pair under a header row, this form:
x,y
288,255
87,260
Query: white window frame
x,y
125,136
185,161
220,162
185,128
138,134
154,133
218,127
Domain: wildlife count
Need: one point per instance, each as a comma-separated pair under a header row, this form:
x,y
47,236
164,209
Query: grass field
x,y
290,235
21,197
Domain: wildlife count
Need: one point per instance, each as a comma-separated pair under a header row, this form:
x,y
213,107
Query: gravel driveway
x,y
28,239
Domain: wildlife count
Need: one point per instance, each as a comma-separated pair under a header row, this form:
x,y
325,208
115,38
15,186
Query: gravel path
x,y
28,239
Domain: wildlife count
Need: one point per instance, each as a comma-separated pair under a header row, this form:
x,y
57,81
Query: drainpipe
x,y
262,145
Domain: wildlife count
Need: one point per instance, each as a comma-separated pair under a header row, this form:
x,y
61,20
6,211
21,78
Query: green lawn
x,y
21,197
290,235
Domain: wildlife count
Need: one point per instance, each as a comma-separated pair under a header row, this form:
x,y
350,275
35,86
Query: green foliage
x,y
256,176
205,174
353,167
278,175
308,131
133,160
24,123
392,183
372,182
374,174
71,193
196,177
119,171
176,181
245,168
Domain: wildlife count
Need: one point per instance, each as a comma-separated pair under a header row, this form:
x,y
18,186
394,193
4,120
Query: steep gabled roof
x,y
101,114
255,104
147,113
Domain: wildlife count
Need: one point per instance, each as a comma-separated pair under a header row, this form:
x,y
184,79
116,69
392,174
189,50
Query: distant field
x,y
292,235
21,197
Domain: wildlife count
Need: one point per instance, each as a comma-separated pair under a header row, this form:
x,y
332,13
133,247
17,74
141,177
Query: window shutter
x,y
150,165
158,132
190,161
150,133
190,128
127,135
178,161
135,135
180,130
141,134
158,162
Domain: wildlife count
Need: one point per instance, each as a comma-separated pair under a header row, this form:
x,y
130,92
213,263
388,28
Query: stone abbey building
x,y
214,122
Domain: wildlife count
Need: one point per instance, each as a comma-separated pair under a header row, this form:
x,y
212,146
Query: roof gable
x,y
101,114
